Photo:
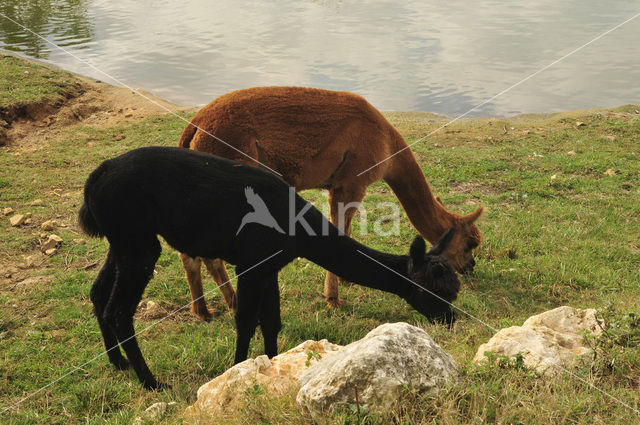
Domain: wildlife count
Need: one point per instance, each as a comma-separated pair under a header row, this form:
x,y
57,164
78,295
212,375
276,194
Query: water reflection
x,y
63,21
410,55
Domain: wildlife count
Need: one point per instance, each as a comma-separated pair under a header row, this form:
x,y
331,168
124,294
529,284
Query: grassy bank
x,y
561,228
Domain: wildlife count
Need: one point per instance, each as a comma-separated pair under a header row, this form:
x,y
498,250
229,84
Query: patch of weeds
x,y
312,355
616,351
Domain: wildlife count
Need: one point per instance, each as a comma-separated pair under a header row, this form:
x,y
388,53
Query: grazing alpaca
x,y
322,139
178,194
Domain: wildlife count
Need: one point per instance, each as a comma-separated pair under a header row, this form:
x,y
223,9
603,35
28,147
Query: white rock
x,y
276,376
153,413
547,340
380,366
7,211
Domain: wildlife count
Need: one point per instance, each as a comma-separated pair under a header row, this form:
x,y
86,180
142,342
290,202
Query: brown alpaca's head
x,y
436,282
467,238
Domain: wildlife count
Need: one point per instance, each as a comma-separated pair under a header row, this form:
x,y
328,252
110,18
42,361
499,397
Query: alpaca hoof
x,y
334,302
233,303
155,385
121,364
206,317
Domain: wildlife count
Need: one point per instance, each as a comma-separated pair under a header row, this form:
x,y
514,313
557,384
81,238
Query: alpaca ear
x,y
474,215
443,243
417,250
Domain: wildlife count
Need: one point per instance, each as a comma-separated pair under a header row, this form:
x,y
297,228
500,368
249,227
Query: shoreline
x,y
95,103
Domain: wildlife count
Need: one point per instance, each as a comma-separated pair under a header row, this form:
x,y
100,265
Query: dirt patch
x,y
153,311
92,103
473,187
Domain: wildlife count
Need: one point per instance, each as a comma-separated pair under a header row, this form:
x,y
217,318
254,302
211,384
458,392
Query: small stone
x,y
553,177
28,215
51,251
153,413
17,220
27,221
80,241
52,242
611,172
580,124
572,153
36,203
128,115
610,138
49,225
120,136
7,211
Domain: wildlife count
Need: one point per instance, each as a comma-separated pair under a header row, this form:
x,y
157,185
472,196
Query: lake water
x,y
435,56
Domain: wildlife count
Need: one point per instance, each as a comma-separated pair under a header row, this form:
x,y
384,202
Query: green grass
x,y
23,82
573,239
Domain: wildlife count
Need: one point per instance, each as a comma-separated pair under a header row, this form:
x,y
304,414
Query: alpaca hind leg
x,y
247,313
192,267
100,294
342,202
270,321
219,274
134,270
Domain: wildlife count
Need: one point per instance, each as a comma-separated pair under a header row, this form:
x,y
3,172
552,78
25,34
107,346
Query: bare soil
x,y
91,103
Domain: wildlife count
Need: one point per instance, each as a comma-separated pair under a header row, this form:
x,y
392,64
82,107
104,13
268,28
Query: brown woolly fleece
x,y
323,139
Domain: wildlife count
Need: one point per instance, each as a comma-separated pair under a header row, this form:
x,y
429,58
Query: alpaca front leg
x,y
192,267
270,322
249,294
343,202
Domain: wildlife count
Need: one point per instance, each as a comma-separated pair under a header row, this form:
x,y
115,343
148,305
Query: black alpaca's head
x,y
432,272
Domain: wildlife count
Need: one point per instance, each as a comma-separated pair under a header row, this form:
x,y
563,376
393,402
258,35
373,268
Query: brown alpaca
x,y
321,139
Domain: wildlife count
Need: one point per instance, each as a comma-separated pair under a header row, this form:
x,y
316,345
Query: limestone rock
x,y
51,243
7,211
151,310
49,225
275,376
36,203
153,413
547,339
17,220
380,366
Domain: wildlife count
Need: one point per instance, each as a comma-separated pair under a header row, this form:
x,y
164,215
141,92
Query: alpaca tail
x,y
187,136
88,222
86,219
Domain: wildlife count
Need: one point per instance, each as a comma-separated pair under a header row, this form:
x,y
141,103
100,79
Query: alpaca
x,y
322,139
173,192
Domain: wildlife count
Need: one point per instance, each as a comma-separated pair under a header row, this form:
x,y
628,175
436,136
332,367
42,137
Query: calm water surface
x,y
435,56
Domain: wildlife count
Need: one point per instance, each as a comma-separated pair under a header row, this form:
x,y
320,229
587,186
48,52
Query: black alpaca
x,y
197,201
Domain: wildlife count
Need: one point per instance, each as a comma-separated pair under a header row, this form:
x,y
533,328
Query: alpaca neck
x,y
355,262
425,212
